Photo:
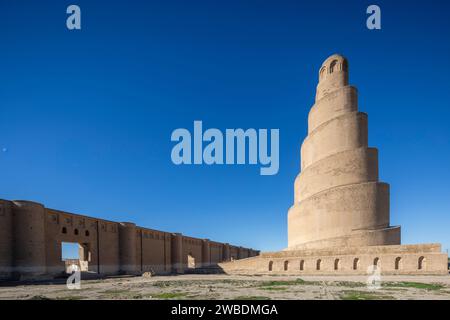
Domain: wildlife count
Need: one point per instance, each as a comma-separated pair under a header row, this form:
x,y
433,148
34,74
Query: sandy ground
x,y
238,287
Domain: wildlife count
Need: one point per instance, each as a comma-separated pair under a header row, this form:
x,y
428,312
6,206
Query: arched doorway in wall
x,y
337,263
302,265
286,265
318,264
356,264
270,265
376,263
421,263
76,256
191,261
398,263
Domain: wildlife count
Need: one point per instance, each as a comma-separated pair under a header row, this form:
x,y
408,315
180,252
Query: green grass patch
x,y
116,291
349,284
416,285
163,284
169,295
186,283
40,297
71,298
363,295
395,289
273,288
251,298
286,283
120,294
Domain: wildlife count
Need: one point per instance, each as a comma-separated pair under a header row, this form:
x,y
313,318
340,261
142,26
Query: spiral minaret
x,y
338,198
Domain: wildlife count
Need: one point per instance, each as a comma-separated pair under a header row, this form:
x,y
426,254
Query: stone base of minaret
x,y
340,220
420,259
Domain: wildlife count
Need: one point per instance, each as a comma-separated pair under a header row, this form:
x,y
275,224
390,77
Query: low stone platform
x,y
419,259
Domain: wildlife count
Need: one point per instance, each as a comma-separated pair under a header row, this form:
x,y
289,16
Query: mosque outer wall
x,y
31,237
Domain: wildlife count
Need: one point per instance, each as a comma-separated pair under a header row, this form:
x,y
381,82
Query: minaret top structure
x,y
333,74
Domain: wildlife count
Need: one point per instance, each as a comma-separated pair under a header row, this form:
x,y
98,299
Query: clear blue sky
x,y
86,116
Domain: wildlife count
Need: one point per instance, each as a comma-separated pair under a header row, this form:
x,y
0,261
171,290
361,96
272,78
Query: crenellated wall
x,y
31,238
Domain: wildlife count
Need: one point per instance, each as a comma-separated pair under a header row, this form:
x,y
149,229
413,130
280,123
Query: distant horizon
x,y
86,116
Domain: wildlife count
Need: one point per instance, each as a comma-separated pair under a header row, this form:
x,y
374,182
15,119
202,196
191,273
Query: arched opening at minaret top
x,y
333,66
